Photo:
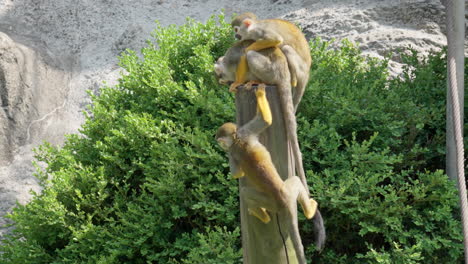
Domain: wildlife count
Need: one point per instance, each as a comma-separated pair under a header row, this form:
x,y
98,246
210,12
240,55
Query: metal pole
x,y
455,94
455,21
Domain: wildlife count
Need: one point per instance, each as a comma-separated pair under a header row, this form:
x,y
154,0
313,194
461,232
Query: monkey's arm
x,y
265,35
263,108
263,44
241,73
262,119
236,170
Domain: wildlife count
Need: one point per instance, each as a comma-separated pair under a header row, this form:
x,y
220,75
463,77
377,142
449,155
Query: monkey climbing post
x,y
266,243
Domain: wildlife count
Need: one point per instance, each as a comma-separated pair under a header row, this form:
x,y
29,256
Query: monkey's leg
x,y
309,206
260,65
297,191
293,65
299,73
243,67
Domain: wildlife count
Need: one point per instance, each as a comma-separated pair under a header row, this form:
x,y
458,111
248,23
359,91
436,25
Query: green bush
x,y
374,150
144,182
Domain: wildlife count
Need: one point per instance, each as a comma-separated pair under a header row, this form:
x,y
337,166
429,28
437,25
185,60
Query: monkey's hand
x,y
241,73
238,174
233,86
249,84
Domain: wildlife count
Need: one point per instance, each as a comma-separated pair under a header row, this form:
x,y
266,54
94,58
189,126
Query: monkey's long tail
x,y
285,93
319,231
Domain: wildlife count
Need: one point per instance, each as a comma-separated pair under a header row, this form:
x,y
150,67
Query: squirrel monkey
x,y
266,66
269,193
269,33
236,22
225,67
289,38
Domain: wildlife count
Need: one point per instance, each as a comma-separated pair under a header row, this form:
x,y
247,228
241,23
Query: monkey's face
x,y
225,135
222,74
242,30
236,34
237,21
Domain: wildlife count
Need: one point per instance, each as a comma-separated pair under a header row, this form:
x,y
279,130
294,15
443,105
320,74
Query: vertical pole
x,y
455,21
266,243
455,95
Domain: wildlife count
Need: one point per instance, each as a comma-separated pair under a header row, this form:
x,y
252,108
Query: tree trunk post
x,y
266,243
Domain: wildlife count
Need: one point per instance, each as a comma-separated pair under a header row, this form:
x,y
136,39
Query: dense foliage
x,y
375,150
144,182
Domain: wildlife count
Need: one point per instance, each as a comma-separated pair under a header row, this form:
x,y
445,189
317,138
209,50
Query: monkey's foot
x,y
233,87
248,85
260,213
310,209
293,81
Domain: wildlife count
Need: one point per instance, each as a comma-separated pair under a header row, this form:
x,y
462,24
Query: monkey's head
x,y
242,31
237,22
222,74
226,66
225,135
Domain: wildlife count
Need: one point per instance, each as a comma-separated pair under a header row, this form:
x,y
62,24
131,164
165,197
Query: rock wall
x,y
32,87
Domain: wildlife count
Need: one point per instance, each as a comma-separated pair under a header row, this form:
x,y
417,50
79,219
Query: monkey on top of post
x,y
293,48
274,52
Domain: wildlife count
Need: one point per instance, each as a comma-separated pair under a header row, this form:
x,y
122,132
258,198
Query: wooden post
x,y
266,243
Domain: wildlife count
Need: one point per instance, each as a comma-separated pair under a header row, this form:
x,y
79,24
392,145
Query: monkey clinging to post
x,y
288,37
266,66
269,65
266,193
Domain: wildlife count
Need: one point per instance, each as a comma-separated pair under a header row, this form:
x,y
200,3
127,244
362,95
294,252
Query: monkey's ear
x,y
247,22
